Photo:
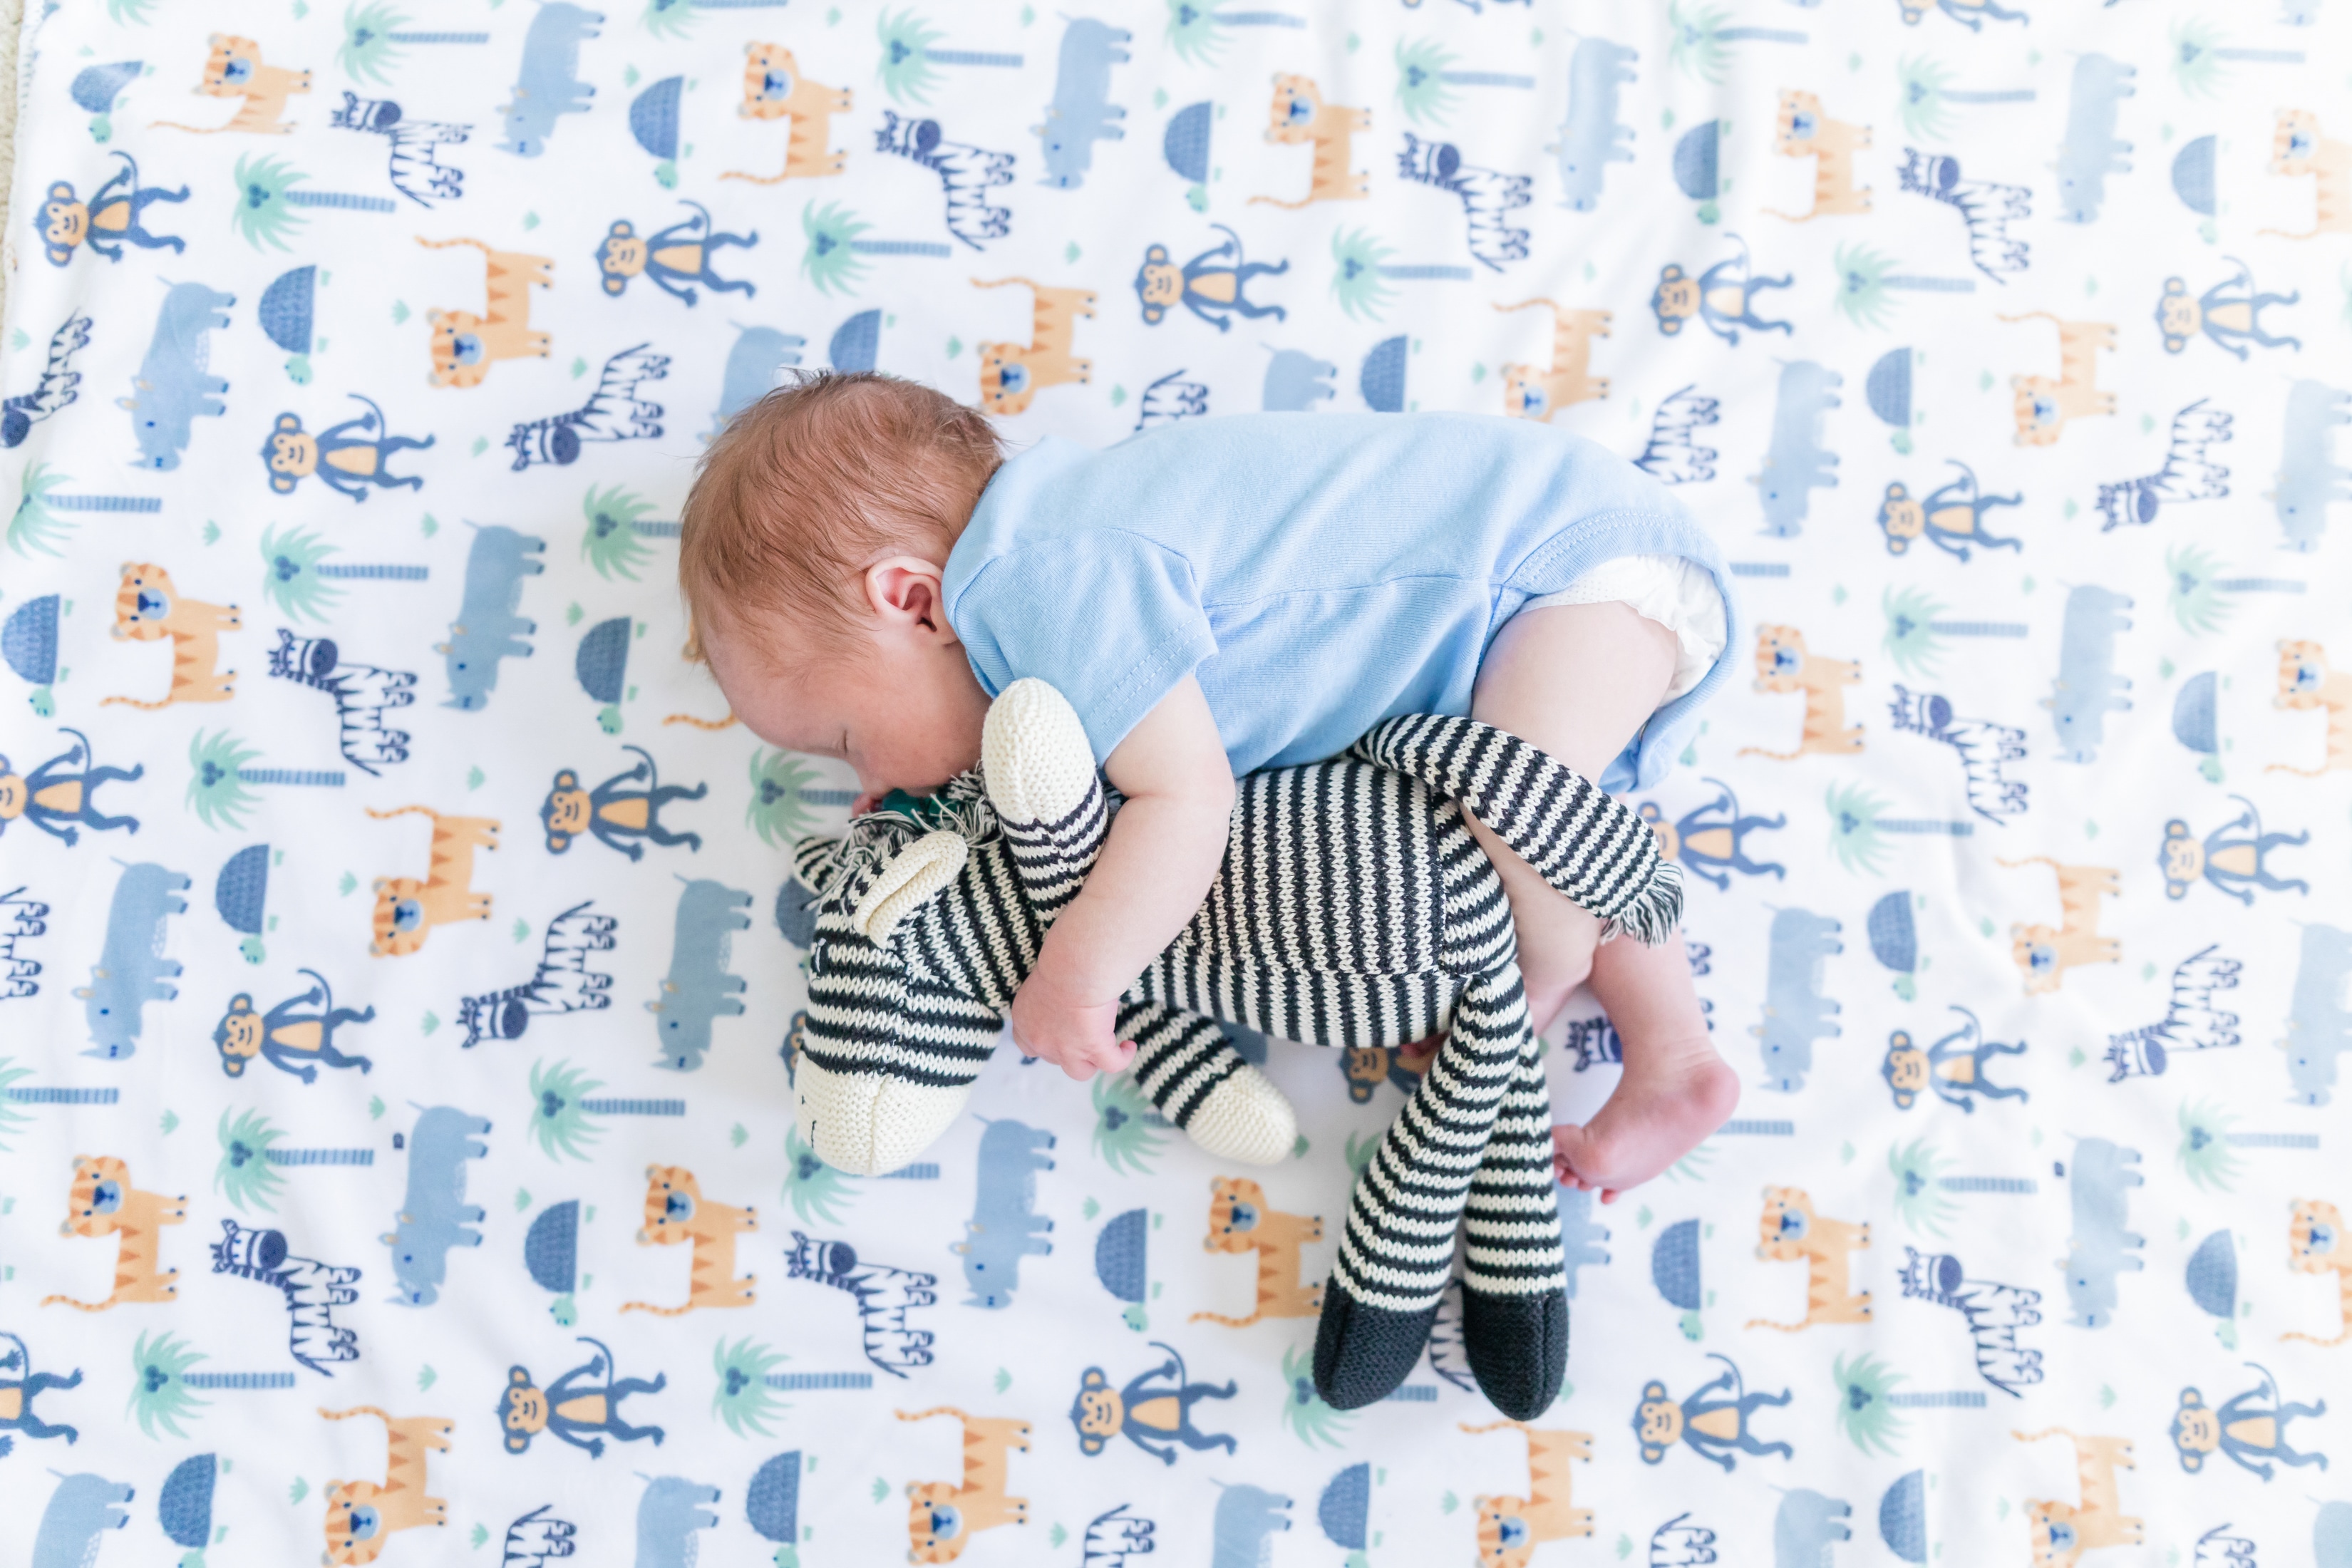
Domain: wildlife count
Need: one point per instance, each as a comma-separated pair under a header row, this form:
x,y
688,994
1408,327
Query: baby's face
x,y
902,716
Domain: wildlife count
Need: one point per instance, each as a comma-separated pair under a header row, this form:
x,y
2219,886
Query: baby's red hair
x,y
816,481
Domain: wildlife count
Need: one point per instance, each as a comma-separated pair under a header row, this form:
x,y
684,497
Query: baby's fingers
x,y
1111,1058
1108,1057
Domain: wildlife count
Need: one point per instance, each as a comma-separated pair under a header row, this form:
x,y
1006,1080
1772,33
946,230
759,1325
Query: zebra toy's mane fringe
x,y
1654,913
840,869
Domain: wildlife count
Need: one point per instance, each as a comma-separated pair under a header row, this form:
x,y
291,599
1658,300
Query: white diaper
x,y
1672,590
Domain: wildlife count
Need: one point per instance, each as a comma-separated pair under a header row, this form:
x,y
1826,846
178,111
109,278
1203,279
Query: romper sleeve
x,y
1110,619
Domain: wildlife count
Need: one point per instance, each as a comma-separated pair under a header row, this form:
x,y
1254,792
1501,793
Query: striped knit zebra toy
x,y
1353,908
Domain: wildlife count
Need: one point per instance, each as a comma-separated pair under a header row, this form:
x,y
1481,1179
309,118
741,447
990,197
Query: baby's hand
x,y
1079,1038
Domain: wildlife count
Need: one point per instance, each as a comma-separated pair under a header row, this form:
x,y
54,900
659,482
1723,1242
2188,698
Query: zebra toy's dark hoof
x,y
1518,1349
1363,1353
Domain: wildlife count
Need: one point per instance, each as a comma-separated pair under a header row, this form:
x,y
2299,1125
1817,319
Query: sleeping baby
x,y
865,570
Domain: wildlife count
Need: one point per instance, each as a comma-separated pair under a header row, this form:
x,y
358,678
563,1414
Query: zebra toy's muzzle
x,y
889,1056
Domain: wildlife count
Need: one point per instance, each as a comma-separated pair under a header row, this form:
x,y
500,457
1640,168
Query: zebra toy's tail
x,y
1591,846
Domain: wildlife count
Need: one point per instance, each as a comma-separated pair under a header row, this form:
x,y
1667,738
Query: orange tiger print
x,y
235,70
147,608
1300,117
2043,955
675,1211
1789,1230
941,1517
1511,1528
360,1515
1241,1221
2306,684
1011,374
102,1201
466,345
2063,1533
2315,1245
406,911
1804,131
1782,664
808,107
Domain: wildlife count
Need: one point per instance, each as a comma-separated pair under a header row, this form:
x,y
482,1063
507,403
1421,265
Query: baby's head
x,y
810,559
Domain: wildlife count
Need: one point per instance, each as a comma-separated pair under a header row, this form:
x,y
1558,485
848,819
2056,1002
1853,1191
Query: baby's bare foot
x,y
1670,1098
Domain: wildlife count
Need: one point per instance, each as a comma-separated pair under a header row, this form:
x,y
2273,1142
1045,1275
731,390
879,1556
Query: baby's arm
x,y
1156,867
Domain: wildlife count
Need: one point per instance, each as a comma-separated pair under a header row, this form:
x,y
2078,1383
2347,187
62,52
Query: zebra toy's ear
x,y
906,881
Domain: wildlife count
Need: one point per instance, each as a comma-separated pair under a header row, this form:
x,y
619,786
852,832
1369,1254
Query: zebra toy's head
x,y
918,934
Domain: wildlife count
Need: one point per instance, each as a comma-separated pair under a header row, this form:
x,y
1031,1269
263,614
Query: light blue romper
x,y
1315,572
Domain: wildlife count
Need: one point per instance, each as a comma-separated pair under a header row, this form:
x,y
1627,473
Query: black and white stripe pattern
x,y
1579,839
1396,1251
1353,908
1180,1055
1051,859
926,1005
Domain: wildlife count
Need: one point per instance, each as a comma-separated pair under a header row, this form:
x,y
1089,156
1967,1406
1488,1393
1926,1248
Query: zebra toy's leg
x,y
1514,1278
1515,1300
1188,1068
1396,1250
1040,771
1049,802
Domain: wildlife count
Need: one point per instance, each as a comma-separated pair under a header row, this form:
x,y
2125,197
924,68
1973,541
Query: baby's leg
x,y
1580,680
1577,680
